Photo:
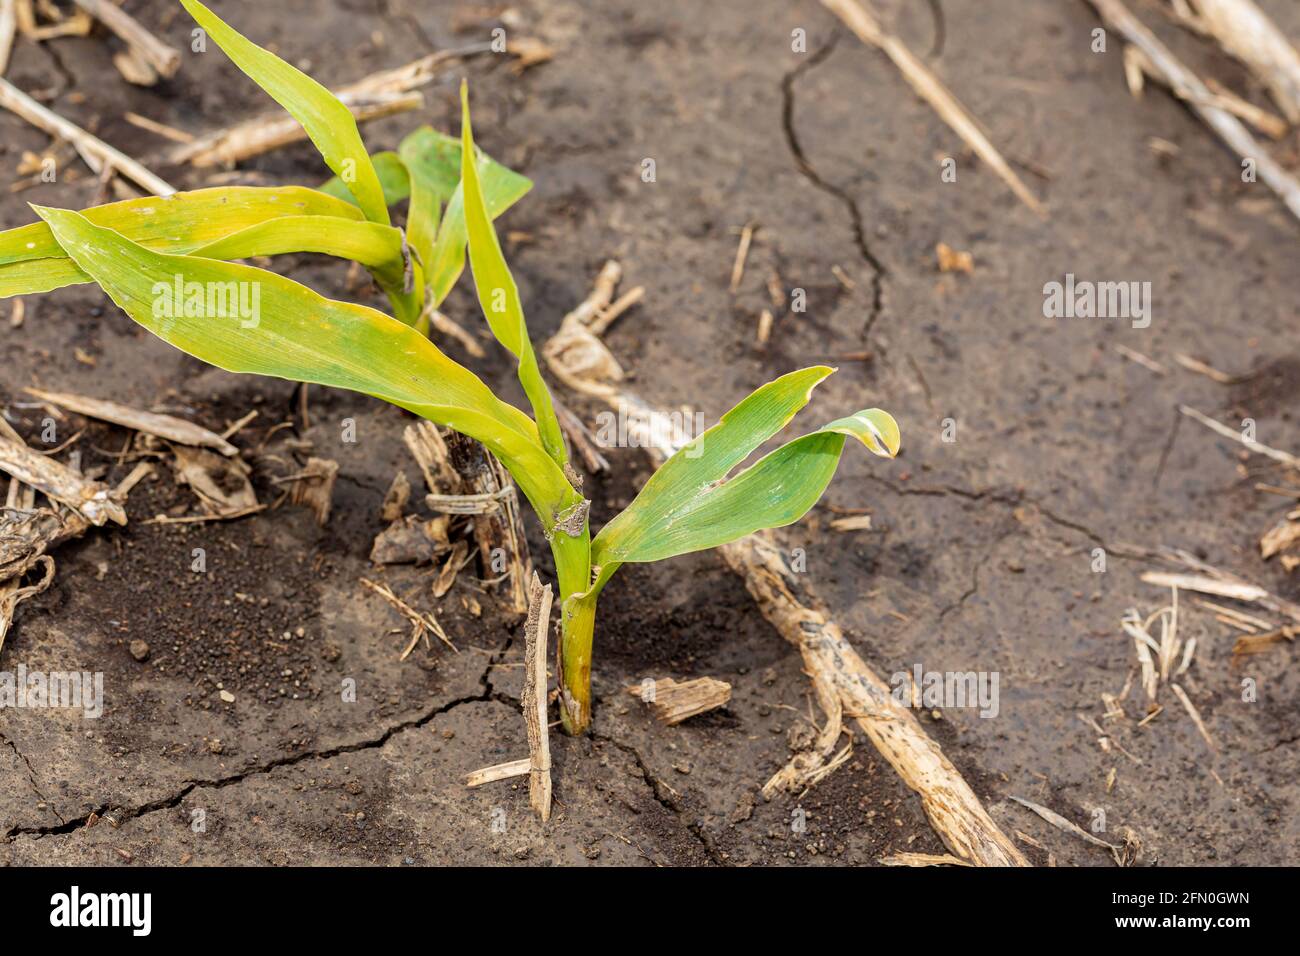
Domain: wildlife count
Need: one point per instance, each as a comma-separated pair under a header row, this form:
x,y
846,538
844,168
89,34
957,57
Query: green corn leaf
x,y
244,319
690,504
329,124
393,180
439,156
499,296
434,162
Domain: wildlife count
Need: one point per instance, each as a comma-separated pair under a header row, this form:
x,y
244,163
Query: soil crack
x,y
173,800
31,776
664,796
841,195
1010,498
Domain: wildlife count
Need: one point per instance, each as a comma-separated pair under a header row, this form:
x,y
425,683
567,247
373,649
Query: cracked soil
x,y
980,554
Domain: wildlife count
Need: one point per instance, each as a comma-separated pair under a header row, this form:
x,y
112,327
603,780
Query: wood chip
x,y
764,328
673,702
1285,457
1258,643
262,134
1160,61
421,622
742,253
159,129
852,523
447,576
78,25
534,697
11,595
162,426
1213,374
1282,536
221,484
951,260
500,771
313,487
8,28
395,499
134,69
923,859
411,540
164,59
1194,714
1147,363
25,16
528,52
1058,821
59,483
95,150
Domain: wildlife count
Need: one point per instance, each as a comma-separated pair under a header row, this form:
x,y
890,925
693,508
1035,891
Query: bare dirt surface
x,y
981,553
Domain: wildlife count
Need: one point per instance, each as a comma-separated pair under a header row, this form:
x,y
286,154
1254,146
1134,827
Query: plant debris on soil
x,y
248,672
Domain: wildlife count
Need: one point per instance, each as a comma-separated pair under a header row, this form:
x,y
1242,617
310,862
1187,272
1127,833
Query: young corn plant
x,y
163,262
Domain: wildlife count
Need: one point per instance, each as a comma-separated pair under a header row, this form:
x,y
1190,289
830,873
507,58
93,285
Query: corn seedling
x,y
164,262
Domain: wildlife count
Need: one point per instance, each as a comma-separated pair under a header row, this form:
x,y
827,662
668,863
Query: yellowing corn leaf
x,y
329,124
379,248
182,221
426,204
32,261
39,275
501,188
691,504
248,320
499,296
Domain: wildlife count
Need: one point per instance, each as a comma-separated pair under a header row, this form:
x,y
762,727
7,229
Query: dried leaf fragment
x,y
673,702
